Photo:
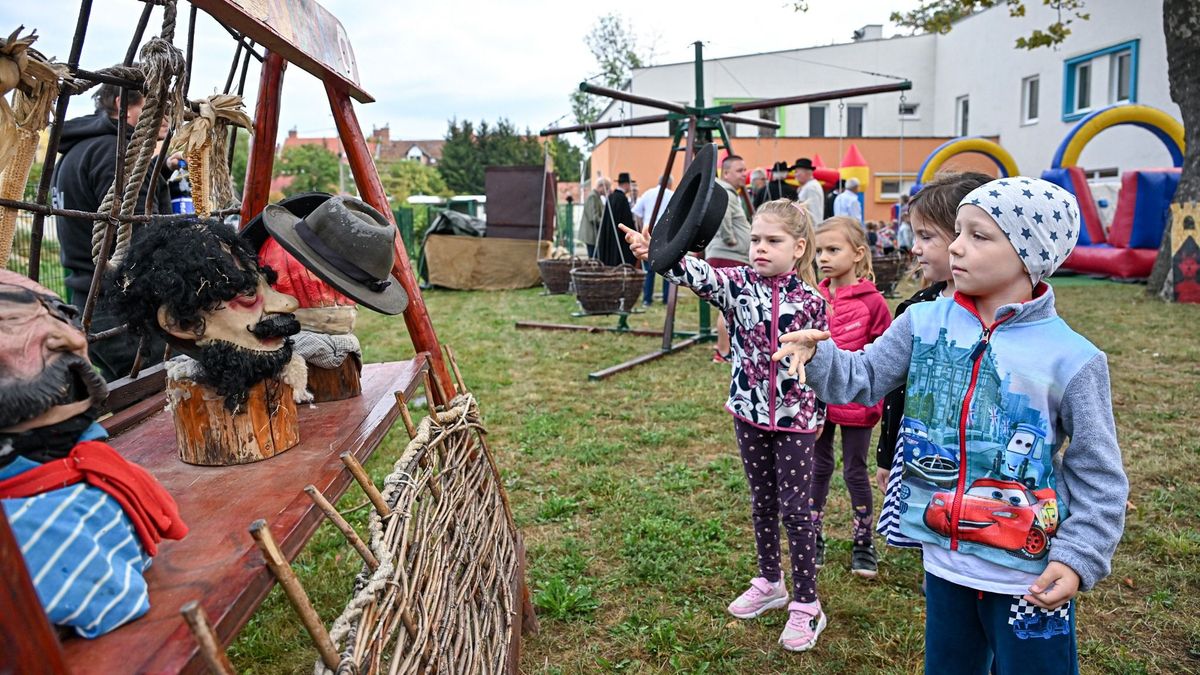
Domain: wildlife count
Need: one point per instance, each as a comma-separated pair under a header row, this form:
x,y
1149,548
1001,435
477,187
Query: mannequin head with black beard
x,y
49,392
203,290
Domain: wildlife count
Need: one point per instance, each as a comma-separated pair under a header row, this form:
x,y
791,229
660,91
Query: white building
x,y
971,81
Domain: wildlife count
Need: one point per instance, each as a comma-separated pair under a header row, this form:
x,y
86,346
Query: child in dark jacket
x,y
775,416
1013,520
932,212
857,315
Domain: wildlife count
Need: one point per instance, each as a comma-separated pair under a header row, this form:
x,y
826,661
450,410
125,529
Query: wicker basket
x,y
556,272
888,270
607,290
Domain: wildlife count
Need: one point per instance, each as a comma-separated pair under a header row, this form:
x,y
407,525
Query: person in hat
x,y
611,248
1013,522
847,203
86,520
775,417
811,195
776,186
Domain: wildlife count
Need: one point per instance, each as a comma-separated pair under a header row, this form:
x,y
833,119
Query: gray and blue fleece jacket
x,y
989,409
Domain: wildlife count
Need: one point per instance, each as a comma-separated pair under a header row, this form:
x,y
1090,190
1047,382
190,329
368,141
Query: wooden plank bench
x,y
217,563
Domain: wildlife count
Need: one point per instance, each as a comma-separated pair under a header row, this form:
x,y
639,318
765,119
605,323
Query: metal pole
x,y
648,119
60,113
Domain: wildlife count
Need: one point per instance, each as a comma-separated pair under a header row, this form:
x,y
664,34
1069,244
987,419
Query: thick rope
x,y
163,66
79,85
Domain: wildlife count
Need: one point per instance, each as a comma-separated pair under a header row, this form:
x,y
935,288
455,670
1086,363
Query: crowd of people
x,y
604,211
976,384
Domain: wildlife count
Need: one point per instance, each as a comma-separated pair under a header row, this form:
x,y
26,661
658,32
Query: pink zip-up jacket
x,y
857,315
758,310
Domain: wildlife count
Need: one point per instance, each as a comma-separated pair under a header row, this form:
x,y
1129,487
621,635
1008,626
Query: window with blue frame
x,y
1081,75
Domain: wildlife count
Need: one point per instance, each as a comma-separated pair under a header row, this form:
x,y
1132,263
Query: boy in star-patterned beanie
x,y
1012,520
1040,219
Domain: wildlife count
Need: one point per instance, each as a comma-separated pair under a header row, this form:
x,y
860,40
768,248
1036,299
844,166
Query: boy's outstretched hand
x,y
800,345
1055,587
639,242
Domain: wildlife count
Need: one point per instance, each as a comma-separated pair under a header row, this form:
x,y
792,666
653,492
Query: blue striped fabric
x,y
82,553
889,514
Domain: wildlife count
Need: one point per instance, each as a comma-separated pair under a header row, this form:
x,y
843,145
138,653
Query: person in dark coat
x,y
611,248
775,188
81,180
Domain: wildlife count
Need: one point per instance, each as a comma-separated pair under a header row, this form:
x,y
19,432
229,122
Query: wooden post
x,y
27,643
209,435
416,316
262,144
364,481
335,384
406,415
340,523
210,647
462,386
295,592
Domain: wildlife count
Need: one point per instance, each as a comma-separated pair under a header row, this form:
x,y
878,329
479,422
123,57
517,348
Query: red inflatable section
x,y
1087,205
1119,263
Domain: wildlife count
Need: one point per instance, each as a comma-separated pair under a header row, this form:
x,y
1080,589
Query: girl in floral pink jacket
x,y
775,416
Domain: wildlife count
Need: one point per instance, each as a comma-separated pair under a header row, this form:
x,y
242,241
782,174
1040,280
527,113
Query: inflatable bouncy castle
x,y
1126,250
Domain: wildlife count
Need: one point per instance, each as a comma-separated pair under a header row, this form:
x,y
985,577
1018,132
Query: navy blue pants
x,y
966,630
778,466
648,285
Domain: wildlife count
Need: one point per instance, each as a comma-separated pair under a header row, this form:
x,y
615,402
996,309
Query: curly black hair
x,y
189,267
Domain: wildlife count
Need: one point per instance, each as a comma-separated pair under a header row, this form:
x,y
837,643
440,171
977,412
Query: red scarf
x,y
151,509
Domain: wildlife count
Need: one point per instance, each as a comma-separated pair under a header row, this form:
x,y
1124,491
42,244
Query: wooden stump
x,y
209,435
335,384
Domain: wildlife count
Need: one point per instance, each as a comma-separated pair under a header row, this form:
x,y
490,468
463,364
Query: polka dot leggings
x,y
779,468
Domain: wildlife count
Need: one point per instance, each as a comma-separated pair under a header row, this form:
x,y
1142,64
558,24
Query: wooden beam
x,y
27,643
304,32
370,189
262,146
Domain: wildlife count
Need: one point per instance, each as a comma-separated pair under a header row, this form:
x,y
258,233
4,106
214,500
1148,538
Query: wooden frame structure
x,y
217,575
698,123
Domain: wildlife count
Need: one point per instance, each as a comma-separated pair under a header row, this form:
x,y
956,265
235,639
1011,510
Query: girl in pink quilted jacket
x,y
857,315
775,417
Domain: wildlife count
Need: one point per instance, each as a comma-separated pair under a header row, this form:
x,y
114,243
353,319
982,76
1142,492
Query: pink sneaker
x,y
803,627
760,597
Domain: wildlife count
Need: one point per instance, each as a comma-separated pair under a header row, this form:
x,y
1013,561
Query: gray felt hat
x,y
348,244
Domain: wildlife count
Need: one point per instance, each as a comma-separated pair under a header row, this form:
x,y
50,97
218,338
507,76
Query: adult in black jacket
x,y
611,248
775,188
81,180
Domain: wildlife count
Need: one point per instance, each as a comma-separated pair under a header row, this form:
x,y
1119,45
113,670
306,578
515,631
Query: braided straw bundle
x,y
33,81
204,141
442,597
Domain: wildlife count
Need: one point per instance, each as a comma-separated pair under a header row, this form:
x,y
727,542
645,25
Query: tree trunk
x,y
1181,24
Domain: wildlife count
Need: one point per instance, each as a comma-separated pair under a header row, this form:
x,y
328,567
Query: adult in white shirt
x,y
643,210
812,196
847,203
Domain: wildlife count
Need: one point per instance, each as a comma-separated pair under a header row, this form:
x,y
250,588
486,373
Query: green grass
x,y
634,512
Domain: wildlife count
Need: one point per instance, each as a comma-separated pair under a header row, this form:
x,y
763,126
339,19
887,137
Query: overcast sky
x,y
426,62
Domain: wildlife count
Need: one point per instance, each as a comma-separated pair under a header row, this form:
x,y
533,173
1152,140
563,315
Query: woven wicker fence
x,y
442,598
